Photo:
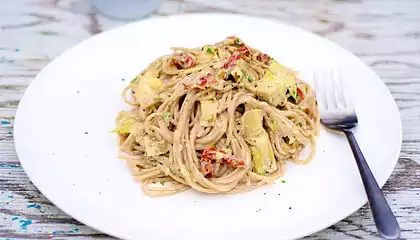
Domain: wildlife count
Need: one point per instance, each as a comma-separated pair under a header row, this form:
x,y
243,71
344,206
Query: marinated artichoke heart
x,y
155,147
147,86
262,152
126,123
277,84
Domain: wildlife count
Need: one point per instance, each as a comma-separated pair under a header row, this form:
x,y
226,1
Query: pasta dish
x,y
221,118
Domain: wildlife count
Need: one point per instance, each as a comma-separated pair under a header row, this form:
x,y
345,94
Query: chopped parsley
x,y
238,42
162,183
283,181
209,50
275,127
134,80
300,124
166,116
249,78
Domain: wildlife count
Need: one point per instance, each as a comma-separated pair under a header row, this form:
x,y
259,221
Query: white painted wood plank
x,y
384,34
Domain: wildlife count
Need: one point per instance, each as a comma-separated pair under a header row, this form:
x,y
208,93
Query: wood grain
x,y
384,34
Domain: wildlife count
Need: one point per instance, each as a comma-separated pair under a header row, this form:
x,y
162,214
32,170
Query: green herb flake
x,y
323,21
249,78
238,42
275,127
209,50
166,116
300,124
134,80
162,183
283,181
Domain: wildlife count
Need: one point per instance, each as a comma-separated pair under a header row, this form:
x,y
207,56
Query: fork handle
x,y
384,218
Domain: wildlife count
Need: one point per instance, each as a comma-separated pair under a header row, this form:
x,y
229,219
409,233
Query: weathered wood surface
x,y
385,34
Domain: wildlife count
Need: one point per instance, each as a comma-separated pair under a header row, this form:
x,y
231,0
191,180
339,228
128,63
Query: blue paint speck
x,y
10,196
34,206
66,232
9,165
5,122
9,49
25,224
15,218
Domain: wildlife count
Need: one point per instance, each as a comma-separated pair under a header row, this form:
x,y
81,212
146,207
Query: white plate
x,y
80,92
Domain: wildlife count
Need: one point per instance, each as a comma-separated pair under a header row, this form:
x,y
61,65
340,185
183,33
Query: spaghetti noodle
x,y
222,118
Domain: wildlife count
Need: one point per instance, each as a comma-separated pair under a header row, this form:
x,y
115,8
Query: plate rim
x,y
110,232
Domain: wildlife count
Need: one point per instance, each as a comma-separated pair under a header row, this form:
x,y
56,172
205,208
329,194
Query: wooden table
x,y
384,34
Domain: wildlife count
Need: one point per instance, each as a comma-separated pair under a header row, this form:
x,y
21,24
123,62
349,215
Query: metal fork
x,y
337,113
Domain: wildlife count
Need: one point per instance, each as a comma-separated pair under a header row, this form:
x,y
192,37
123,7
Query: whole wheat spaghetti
x,y
222,118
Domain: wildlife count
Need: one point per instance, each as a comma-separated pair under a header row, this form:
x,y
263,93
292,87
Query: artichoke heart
x,y
262,153
155,147
276,84
126,123
147,86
